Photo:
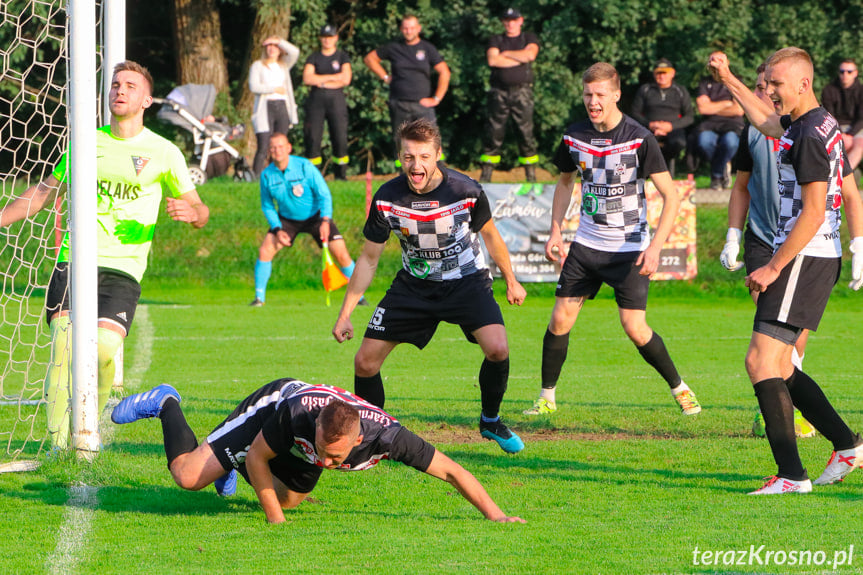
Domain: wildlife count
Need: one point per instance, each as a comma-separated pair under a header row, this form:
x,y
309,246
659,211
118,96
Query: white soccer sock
x,y
797,359
547,393
675,391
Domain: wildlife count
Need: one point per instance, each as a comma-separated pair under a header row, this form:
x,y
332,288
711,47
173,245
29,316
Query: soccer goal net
x,y
34,70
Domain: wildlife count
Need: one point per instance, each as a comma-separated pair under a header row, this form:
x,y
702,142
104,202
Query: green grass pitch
x,y
617,481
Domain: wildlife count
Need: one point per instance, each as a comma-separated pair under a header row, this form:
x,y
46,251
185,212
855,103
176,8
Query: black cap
x,y
511,14
663,64
329,30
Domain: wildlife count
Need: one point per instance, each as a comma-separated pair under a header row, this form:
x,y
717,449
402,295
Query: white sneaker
x,y
778,485
841,464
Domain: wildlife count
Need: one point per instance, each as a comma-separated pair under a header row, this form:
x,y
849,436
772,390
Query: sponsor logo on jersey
x,y
421,55
425,205
589,203
620,169
118,190
139,163
603,190
828,125
297,190
313,402
600,142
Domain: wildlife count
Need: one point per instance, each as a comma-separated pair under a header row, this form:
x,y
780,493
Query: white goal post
x,y
49,100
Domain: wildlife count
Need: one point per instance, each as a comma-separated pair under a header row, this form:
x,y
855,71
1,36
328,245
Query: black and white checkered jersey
x,y
287,409
811,150
613,166
437,230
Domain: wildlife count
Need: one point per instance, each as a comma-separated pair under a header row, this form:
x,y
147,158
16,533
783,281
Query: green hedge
x,y
573,34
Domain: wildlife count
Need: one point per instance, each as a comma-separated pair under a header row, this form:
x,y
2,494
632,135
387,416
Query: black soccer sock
x,y
655,353
179,437
778,411
370,388
554,348
493,377
817,409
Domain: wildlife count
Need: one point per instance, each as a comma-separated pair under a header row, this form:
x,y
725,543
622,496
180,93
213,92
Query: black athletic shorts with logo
x,y
118,295
412,308
756,252
798,297
586,269
311,226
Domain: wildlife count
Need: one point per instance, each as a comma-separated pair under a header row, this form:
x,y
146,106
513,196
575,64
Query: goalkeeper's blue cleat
x,y
496,430
143,405
226,485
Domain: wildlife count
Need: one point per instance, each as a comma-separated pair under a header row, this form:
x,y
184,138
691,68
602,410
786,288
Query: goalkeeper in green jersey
x,y
134,168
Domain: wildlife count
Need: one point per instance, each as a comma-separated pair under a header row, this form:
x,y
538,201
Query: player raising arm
x,y
794,286
281,437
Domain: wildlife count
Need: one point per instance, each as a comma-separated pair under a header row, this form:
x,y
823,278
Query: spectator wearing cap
x,y
718,133
274,110
327,72
510,94
665,108
412,61
843,98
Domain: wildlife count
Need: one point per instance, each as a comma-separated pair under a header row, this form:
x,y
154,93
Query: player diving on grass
x,y
134,168
614,155
438,216
281,437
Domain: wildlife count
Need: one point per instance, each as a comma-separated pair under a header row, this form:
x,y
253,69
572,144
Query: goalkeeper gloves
x,y
856,263
728,257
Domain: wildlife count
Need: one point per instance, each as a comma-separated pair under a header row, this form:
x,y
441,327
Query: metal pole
x,y
83,88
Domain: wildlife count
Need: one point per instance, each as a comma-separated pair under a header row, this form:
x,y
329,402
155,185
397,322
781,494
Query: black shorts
x,y
585,270
799,295
412,308
235,435
311,226
756,252
118,295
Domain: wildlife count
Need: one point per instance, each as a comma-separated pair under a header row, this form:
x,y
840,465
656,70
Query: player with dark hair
x,y
135,167
614,155
282,436
795,284
438,215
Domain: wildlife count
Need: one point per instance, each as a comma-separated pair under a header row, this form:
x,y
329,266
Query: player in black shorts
x,y
814,181
755,200
282,436
614,155
436,213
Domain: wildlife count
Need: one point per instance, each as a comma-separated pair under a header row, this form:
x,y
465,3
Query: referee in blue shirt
x,y
295,198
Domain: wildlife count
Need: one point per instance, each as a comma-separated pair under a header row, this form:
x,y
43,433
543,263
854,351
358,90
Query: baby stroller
x,y
190,107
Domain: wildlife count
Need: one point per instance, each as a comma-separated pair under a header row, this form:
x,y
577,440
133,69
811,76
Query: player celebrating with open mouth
x,y
437,215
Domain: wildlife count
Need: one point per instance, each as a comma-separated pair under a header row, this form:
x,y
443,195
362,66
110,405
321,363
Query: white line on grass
x,y
84,499
75,531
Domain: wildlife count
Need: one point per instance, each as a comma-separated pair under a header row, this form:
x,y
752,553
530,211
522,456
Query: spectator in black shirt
x,y
665,108
328,72
411,62
511,94
843,98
